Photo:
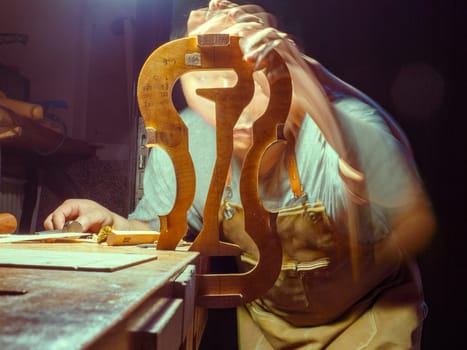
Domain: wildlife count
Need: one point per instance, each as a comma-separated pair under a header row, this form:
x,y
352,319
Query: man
x,y
348,279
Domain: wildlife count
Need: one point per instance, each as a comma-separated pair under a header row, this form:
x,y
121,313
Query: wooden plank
x,y
70,260
13,238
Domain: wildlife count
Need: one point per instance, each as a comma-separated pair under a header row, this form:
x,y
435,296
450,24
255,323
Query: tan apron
x,y
316,303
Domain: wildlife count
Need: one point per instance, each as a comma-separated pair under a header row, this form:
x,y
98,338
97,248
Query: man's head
x,y
228,18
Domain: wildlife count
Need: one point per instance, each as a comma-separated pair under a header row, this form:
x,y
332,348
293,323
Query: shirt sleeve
x,y
159,189
160,181
391,179
389,171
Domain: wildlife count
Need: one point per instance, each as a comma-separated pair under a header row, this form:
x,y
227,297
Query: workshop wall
x,y
78,60
78,54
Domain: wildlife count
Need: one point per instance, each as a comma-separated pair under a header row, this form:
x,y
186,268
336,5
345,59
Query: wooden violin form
x,y
166,129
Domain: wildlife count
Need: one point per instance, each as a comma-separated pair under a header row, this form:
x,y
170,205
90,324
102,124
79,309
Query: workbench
x,y
139,305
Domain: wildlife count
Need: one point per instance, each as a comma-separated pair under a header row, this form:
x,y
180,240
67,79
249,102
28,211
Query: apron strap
x,y
292,168
294,177
291,161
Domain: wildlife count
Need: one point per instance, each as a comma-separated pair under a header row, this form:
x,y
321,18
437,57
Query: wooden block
x,y
132,237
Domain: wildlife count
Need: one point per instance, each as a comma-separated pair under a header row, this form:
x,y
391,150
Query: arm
x,y
413,226
410,218
393,188
259,37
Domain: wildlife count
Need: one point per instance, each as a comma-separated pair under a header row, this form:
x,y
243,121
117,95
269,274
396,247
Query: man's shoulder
x,y
201,135
192,119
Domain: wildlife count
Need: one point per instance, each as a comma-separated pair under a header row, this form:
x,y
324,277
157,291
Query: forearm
x,y
413,228
310,98
411,232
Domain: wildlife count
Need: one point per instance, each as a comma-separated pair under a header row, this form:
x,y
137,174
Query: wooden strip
x,y
38,237
70,260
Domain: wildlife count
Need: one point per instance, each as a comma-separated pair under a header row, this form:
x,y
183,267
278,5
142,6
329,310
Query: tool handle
x,y
25,109
8,223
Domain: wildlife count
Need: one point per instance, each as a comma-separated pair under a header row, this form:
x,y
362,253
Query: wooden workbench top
x,y
64,309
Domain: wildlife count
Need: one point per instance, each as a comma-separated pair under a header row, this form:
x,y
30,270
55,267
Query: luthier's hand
x,y
256,27
91,215
259,36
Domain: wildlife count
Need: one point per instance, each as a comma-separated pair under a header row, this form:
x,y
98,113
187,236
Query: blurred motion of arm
x,y
374,158
259,37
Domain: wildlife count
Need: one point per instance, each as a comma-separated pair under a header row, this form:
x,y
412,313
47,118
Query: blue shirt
x,y
389,179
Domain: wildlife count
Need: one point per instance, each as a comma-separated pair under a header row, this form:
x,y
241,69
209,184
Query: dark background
x,y
409,56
